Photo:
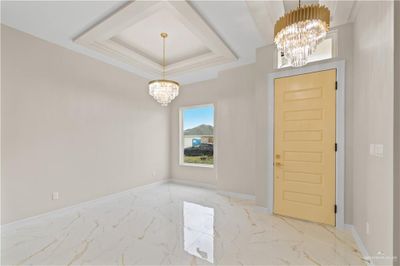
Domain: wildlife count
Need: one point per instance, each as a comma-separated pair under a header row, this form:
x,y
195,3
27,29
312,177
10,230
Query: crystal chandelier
x,y
163,90
298,32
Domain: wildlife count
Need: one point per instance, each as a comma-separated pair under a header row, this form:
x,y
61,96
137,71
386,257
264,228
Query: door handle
x,y
278,164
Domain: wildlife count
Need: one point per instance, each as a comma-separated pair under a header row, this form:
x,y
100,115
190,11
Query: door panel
x,y
304,152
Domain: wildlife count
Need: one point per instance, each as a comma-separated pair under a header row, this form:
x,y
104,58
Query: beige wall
x,y
373,123
264,65
396,163
74,125
233,96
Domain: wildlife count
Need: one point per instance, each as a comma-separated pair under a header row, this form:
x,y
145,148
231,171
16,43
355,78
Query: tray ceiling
x,y
212,35
132,34
148,43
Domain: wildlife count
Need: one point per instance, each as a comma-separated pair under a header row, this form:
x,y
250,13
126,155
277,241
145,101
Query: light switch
x,y
372,149
379,150
55,196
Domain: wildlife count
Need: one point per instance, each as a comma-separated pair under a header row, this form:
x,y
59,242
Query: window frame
x,y
181,139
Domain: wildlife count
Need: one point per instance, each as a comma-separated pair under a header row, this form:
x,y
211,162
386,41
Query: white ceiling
x,y
239,27
147,39
132,35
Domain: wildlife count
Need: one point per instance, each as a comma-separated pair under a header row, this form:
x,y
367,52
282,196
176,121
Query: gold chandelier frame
x,y
163,80
304,13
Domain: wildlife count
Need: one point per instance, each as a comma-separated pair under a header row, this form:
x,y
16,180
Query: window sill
x,y
196,165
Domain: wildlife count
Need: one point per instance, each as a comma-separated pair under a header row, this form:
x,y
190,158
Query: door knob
x,y
278,164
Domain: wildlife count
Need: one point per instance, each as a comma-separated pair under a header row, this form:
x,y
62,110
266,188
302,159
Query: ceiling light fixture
x,y
163,90
298,32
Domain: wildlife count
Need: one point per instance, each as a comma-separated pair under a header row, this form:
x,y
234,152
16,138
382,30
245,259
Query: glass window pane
x,y
198,135
324,51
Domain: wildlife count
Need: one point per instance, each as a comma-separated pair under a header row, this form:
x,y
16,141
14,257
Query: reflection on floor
x,y
198,230
173,224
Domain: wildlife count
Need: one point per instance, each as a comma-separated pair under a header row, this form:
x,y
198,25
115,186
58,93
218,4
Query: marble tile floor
x,y
170,224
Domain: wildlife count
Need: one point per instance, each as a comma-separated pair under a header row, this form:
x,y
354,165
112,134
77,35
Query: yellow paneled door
x,y
304,152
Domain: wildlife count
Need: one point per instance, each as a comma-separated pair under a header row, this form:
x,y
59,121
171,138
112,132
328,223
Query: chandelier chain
x,y
162,90
164,35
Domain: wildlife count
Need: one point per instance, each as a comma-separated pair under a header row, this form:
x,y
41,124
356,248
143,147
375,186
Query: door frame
x,y
340,130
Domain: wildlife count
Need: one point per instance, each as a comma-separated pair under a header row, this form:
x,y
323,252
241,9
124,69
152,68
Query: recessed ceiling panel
x,y
132,35
144,37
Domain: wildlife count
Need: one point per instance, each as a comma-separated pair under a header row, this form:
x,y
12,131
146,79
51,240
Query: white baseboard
x,y
212,187
360,244
236,195
62,210
192,183
261,209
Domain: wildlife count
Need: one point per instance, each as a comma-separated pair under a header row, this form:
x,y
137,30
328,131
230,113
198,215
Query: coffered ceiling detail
x,y
132,35
205,37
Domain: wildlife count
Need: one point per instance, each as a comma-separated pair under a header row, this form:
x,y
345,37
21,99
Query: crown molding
x,y
100,38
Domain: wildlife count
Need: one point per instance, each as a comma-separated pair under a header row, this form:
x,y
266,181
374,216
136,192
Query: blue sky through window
x,y
193,117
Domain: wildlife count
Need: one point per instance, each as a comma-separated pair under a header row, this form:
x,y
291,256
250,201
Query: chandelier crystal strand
x,y
298,33
163,90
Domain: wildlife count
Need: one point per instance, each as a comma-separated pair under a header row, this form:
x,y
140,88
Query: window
x,y
197,135
325,50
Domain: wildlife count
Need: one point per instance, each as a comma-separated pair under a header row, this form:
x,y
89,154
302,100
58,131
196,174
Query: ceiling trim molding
x,y
100,37
354,11
265,14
